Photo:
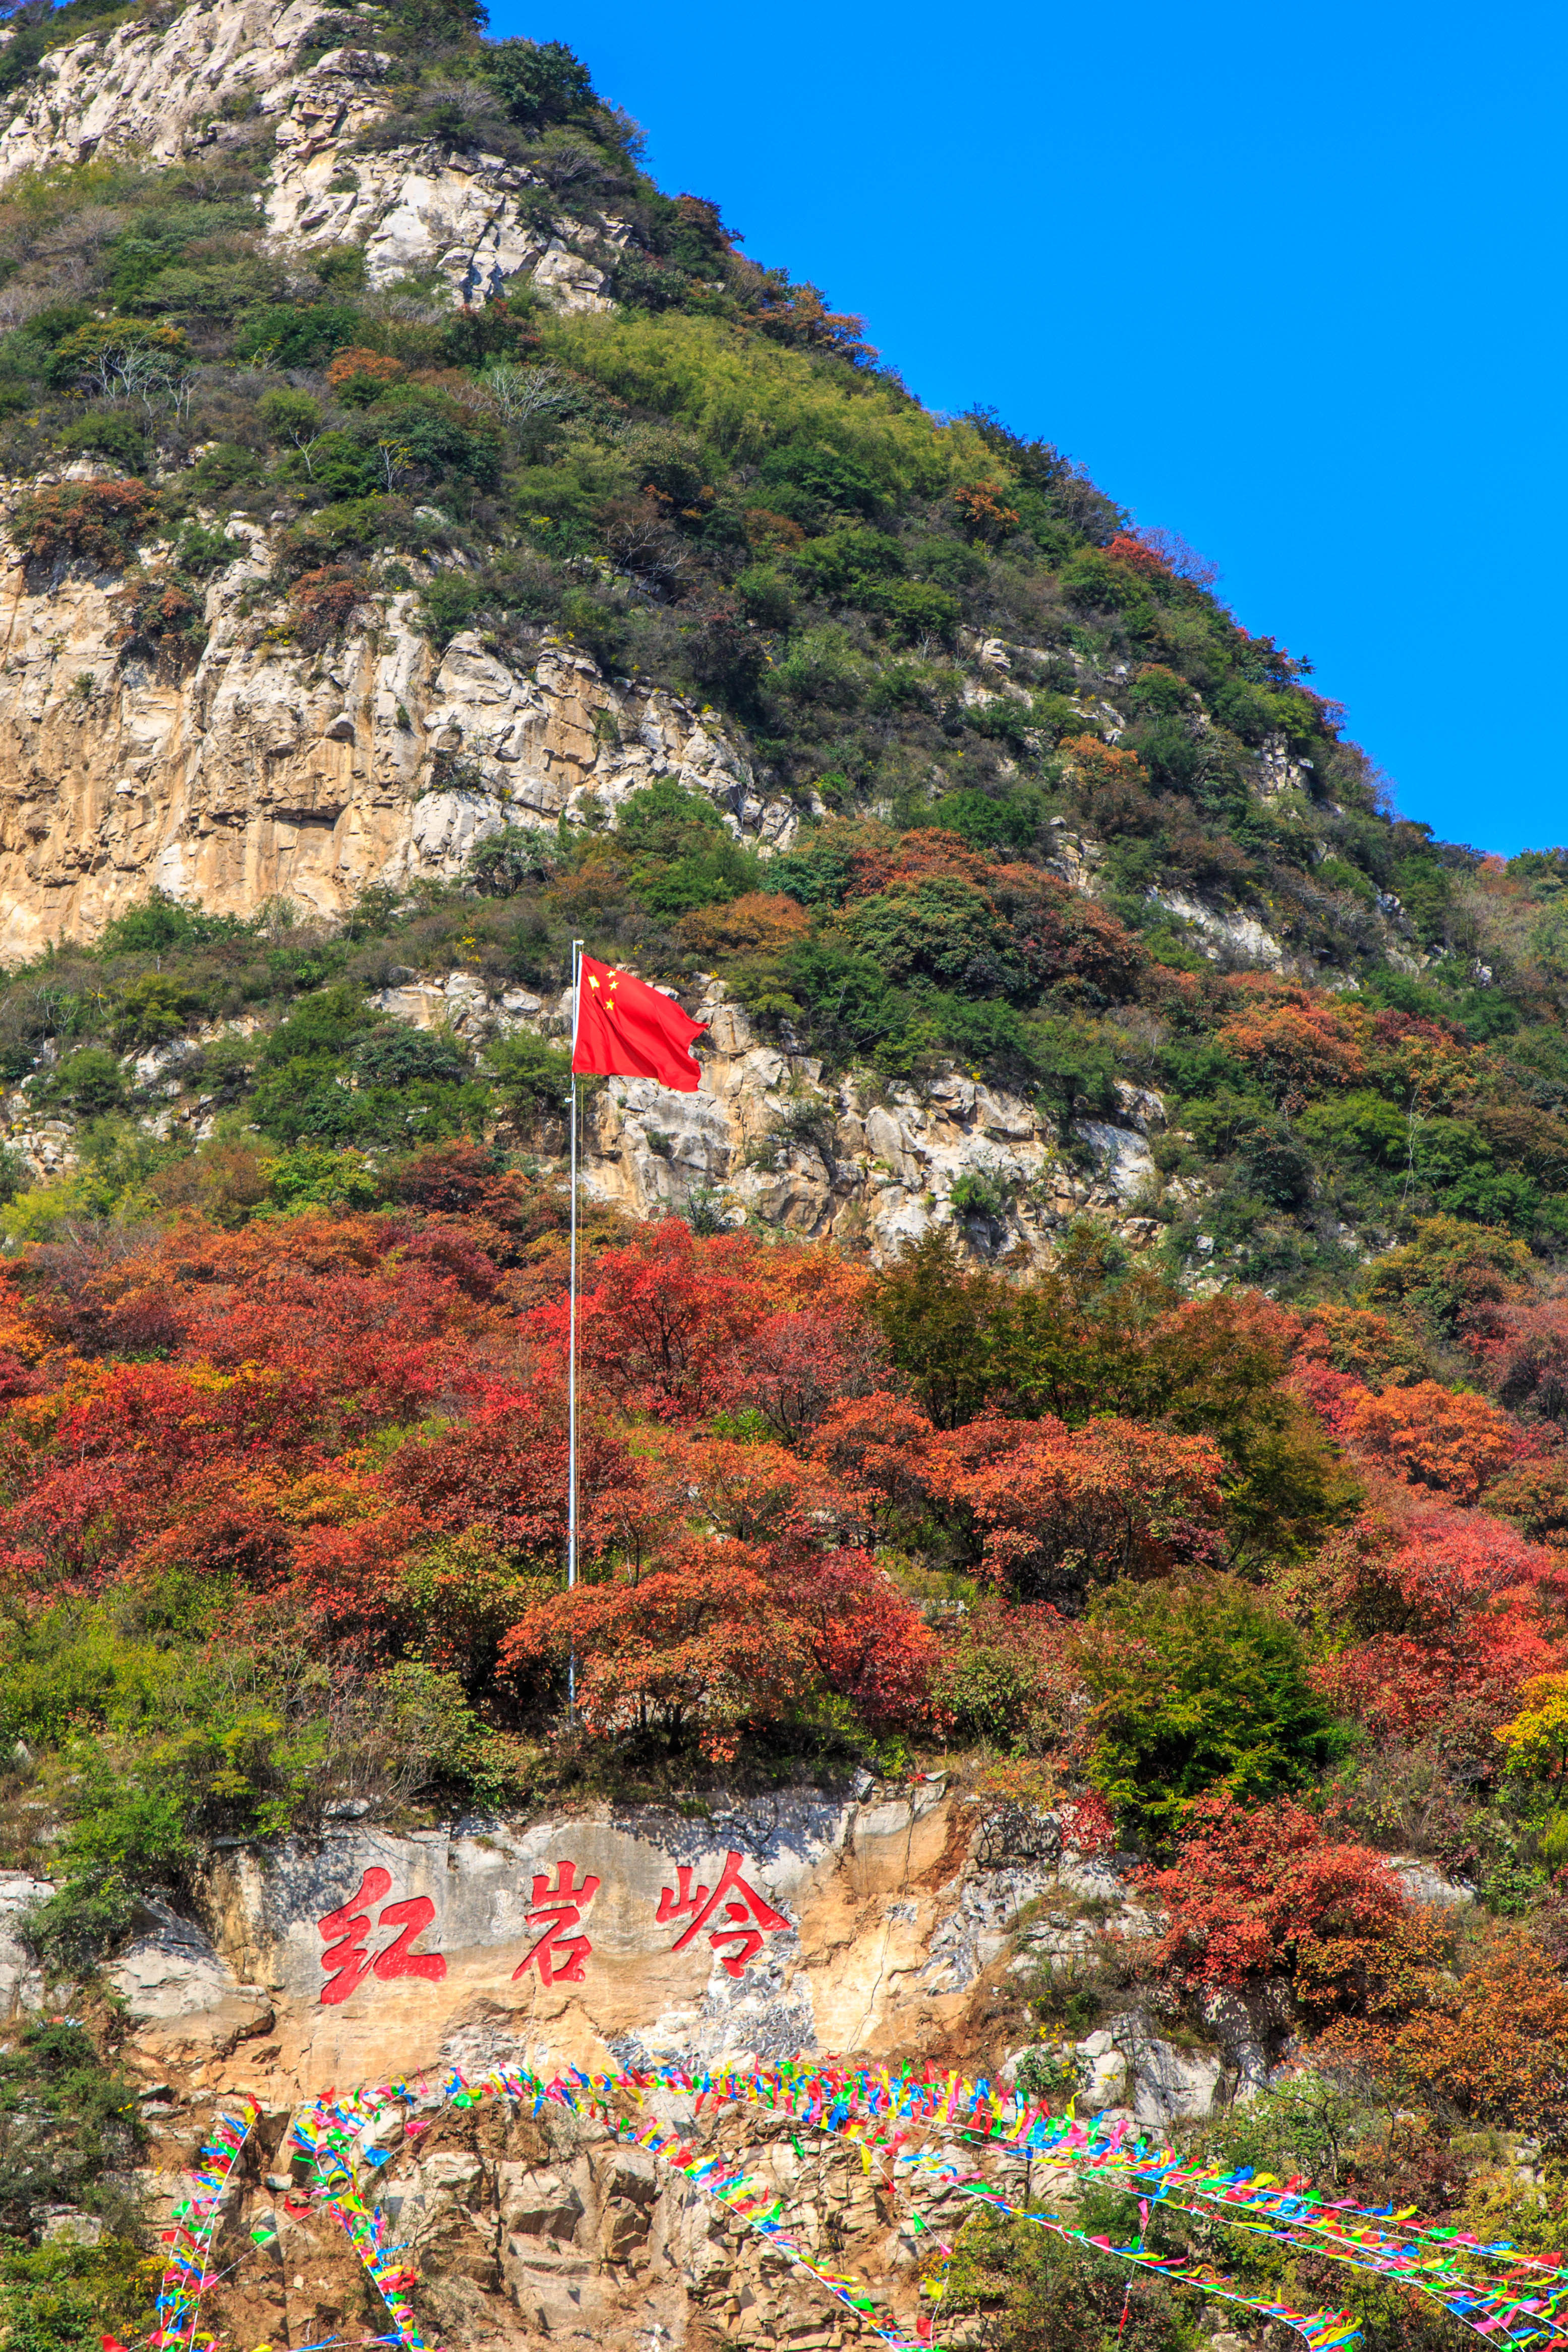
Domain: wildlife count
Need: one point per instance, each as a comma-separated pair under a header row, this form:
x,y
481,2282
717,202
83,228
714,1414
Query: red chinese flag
x,y
626,1029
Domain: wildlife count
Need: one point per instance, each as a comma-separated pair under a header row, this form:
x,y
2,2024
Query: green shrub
x,y
845,565
681,853
116,433
356,525
764,598
157,1007
986,824
311,1176
324,1026
914,609
447,604
533,1076
89,1082
400,1057
1200,1688
538,82
822,666
160,923
599,627
943,929
505,863
67,2118
297,334
203,547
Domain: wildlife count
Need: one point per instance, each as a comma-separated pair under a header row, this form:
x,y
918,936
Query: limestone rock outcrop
x,y
765,1137
174,90
885,1918
269,770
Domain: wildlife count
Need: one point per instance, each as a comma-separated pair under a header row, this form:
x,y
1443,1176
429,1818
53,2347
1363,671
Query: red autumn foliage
x,y
677,1327
880,1446
1124,549
1299,1042
1042,1509
1354,1341
356,366
1454,1612
1056,1510
1491,2048
984,512
502,1470
324,602
100,521
1524,1345
1063,935
1249,1895
881,861
701,1644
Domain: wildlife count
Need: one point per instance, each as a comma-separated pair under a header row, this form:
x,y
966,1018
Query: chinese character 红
x,y
749,1918
346,1959
555,1909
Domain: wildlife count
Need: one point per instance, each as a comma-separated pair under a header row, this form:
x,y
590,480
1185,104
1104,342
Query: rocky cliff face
x,y
267,771
911,1922
893,1919
171,91
259,770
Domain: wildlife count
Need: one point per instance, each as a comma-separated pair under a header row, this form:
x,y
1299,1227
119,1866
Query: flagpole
x,y
571,1358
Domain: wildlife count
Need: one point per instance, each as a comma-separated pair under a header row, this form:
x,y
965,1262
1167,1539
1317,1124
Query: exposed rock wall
x,y
170,93
152,89
885,1924
895,1920
477,218
268,769
872,1169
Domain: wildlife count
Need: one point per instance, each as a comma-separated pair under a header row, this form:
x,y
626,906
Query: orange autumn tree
x,y
1489,2048
1447,1439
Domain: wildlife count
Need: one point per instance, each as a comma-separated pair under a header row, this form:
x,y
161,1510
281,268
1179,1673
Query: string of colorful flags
x,y
920,2131
189,2237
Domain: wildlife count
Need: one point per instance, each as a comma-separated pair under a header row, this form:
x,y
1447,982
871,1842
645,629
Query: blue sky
x,y
1286,280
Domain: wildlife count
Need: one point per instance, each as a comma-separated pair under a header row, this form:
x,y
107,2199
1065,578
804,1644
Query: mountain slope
x,y
411,501
1072,1411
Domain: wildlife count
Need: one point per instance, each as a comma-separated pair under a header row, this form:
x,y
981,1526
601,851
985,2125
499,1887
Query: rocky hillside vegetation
x,y
1074,1487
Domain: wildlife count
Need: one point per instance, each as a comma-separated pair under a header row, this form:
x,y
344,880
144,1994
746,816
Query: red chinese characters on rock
x,y
748,1918
557,1955
345,1959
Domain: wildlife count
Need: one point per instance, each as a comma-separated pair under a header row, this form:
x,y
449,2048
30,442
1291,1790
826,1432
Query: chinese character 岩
x,y
748,1918
346,1959
556,1908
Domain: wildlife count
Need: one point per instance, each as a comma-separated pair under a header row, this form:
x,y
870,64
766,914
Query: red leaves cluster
x,y
1491,2047
1048,1510
349,1426
1249,1895
680,1329
1299,1042
1454,1610
100,521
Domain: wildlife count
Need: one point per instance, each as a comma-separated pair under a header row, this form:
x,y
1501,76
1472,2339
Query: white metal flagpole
x,y
572,1352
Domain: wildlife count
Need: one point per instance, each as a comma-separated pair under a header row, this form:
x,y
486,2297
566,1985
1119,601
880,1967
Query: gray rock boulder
x,y
21,1985
181,1996
1424,1883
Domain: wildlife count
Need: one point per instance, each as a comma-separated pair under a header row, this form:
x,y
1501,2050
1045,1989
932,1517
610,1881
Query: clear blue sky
x,y
1287,280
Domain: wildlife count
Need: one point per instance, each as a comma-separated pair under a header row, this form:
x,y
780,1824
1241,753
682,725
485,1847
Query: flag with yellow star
x,y
624,1029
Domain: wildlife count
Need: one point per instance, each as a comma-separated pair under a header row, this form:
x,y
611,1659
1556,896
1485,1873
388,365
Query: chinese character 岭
x,y
555,1909
746,1920
346,1959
